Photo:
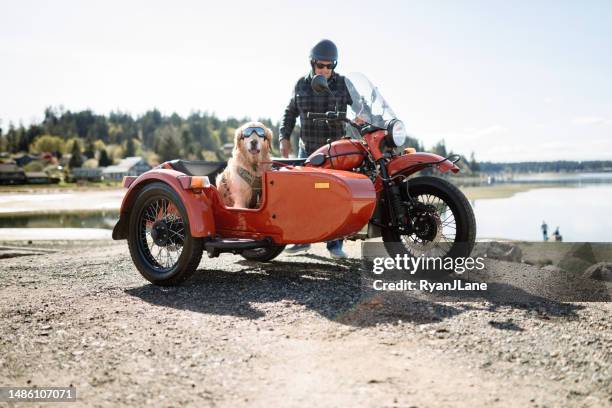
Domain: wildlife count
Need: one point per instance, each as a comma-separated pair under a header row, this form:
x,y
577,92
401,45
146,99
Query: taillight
x,y
194,182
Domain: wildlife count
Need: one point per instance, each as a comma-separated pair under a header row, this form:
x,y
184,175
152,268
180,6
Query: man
x,y
314,134
544,227
557,235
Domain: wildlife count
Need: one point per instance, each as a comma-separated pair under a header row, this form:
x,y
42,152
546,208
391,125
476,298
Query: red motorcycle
x,y
415,216
172,213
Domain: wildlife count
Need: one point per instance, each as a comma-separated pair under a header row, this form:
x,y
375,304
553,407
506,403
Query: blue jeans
x,y
331,245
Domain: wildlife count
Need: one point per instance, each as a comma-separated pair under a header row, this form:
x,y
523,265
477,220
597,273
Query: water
x,y
582,213
577,178
581,206
104,220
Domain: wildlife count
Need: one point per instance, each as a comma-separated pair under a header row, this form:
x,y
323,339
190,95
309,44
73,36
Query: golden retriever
x,y
241,181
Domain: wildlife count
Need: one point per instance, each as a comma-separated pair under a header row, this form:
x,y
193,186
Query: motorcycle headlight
x,y
396,133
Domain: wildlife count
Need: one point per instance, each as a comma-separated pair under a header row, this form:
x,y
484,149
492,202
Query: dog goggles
x,y
250,130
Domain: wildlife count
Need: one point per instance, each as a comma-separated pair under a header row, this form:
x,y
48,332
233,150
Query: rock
x,y
578,258
503,251
600,271
552,268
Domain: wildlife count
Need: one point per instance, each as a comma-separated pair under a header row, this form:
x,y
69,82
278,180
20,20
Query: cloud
x,y
491,130
475,133
500,144
591,120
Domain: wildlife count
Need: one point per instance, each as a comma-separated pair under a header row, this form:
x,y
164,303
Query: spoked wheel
x,y
263,254
160,241
443,222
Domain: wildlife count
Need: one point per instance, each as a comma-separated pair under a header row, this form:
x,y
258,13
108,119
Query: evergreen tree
x,y
149,123
22,139
11,139
440,149
169,147
90,149
104,161
130,150
473,163
76,160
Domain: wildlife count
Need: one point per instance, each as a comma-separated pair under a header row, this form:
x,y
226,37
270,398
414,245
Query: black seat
x,y
289,162
199,168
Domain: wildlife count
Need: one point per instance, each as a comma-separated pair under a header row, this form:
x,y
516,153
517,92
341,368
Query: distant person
x,y
544,231
557,235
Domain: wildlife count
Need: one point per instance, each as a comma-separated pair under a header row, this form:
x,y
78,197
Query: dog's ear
x,y
269,135
237,138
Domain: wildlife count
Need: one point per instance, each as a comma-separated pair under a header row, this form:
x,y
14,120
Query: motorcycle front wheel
x,y
443,221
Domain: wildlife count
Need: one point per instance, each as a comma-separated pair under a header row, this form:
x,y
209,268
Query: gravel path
x,y
294,332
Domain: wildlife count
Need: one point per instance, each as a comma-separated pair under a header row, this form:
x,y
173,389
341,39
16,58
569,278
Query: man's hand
x,y
285,148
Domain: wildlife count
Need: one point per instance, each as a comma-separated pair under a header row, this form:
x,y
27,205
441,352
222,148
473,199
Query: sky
x,y
510,81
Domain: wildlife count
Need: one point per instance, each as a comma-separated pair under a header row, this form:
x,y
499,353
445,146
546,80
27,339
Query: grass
x,y
500,190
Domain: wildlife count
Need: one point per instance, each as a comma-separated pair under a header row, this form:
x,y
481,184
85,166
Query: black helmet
x,y
325,50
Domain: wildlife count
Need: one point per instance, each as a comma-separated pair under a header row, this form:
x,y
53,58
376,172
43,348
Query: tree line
x,y
108,138
119,134
547,167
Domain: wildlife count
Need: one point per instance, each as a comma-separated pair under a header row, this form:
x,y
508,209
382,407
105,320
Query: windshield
x,y
368,103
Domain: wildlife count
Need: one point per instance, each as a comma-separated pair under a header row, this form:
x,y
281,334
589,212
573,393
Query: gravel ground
x,y
292,332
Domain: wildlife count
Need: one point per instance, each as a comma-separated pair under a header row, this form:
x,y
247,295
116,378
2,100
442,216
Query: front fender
x,y
197,204
412,162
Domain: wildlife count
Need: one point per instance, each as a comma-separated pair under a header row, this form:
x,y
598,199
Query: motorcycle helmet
x,y
324,50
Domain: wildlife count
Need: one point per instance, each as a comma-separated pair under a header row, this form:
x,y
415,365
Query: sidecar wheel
x,y
159,238
263,254
450,231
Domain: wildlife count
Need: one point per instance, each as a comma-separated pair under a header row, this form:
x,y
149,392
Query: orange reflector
x,y
409,150
321,185
199,182
194,182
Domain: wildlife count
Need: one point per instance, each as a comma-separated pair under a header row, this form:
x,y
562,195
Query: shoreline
x,y
81,200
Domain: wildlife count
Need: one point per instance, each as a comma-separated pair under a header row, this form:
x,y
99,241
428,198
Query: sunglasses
x,y
328,66
250,130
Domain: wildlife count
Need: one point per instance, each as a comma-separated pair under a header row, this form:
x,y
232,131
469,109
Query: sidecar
x,y
172,213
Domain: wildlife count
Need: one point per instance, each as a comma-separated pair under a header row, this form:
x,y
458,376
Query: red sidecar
x,y
172,213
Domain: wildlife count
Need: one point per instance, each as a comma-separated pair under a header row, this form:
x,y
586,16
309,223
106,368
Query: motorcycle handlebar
x,y
334,115
330,115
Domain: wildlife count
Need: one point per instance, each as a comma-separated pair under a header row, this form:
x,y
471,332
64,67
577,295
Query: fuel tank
x,y
302,205
345,154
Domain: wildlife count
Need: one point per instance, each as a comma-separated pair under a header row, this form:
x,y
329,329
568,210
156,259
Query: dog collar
x,y
253,181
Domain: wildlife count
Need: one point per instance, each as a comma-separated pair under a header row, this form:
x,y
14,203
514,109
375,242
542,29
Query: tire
x,y
148,214
463,215
263,254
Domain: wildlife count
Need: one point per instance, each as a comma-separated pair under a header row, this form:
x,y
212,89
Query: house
x,y
24,159
11,174
84,173
130,166
39,177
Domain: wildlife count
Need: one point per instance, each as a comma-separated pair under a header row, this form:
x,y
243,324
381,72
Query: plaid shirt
x,y
304,100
